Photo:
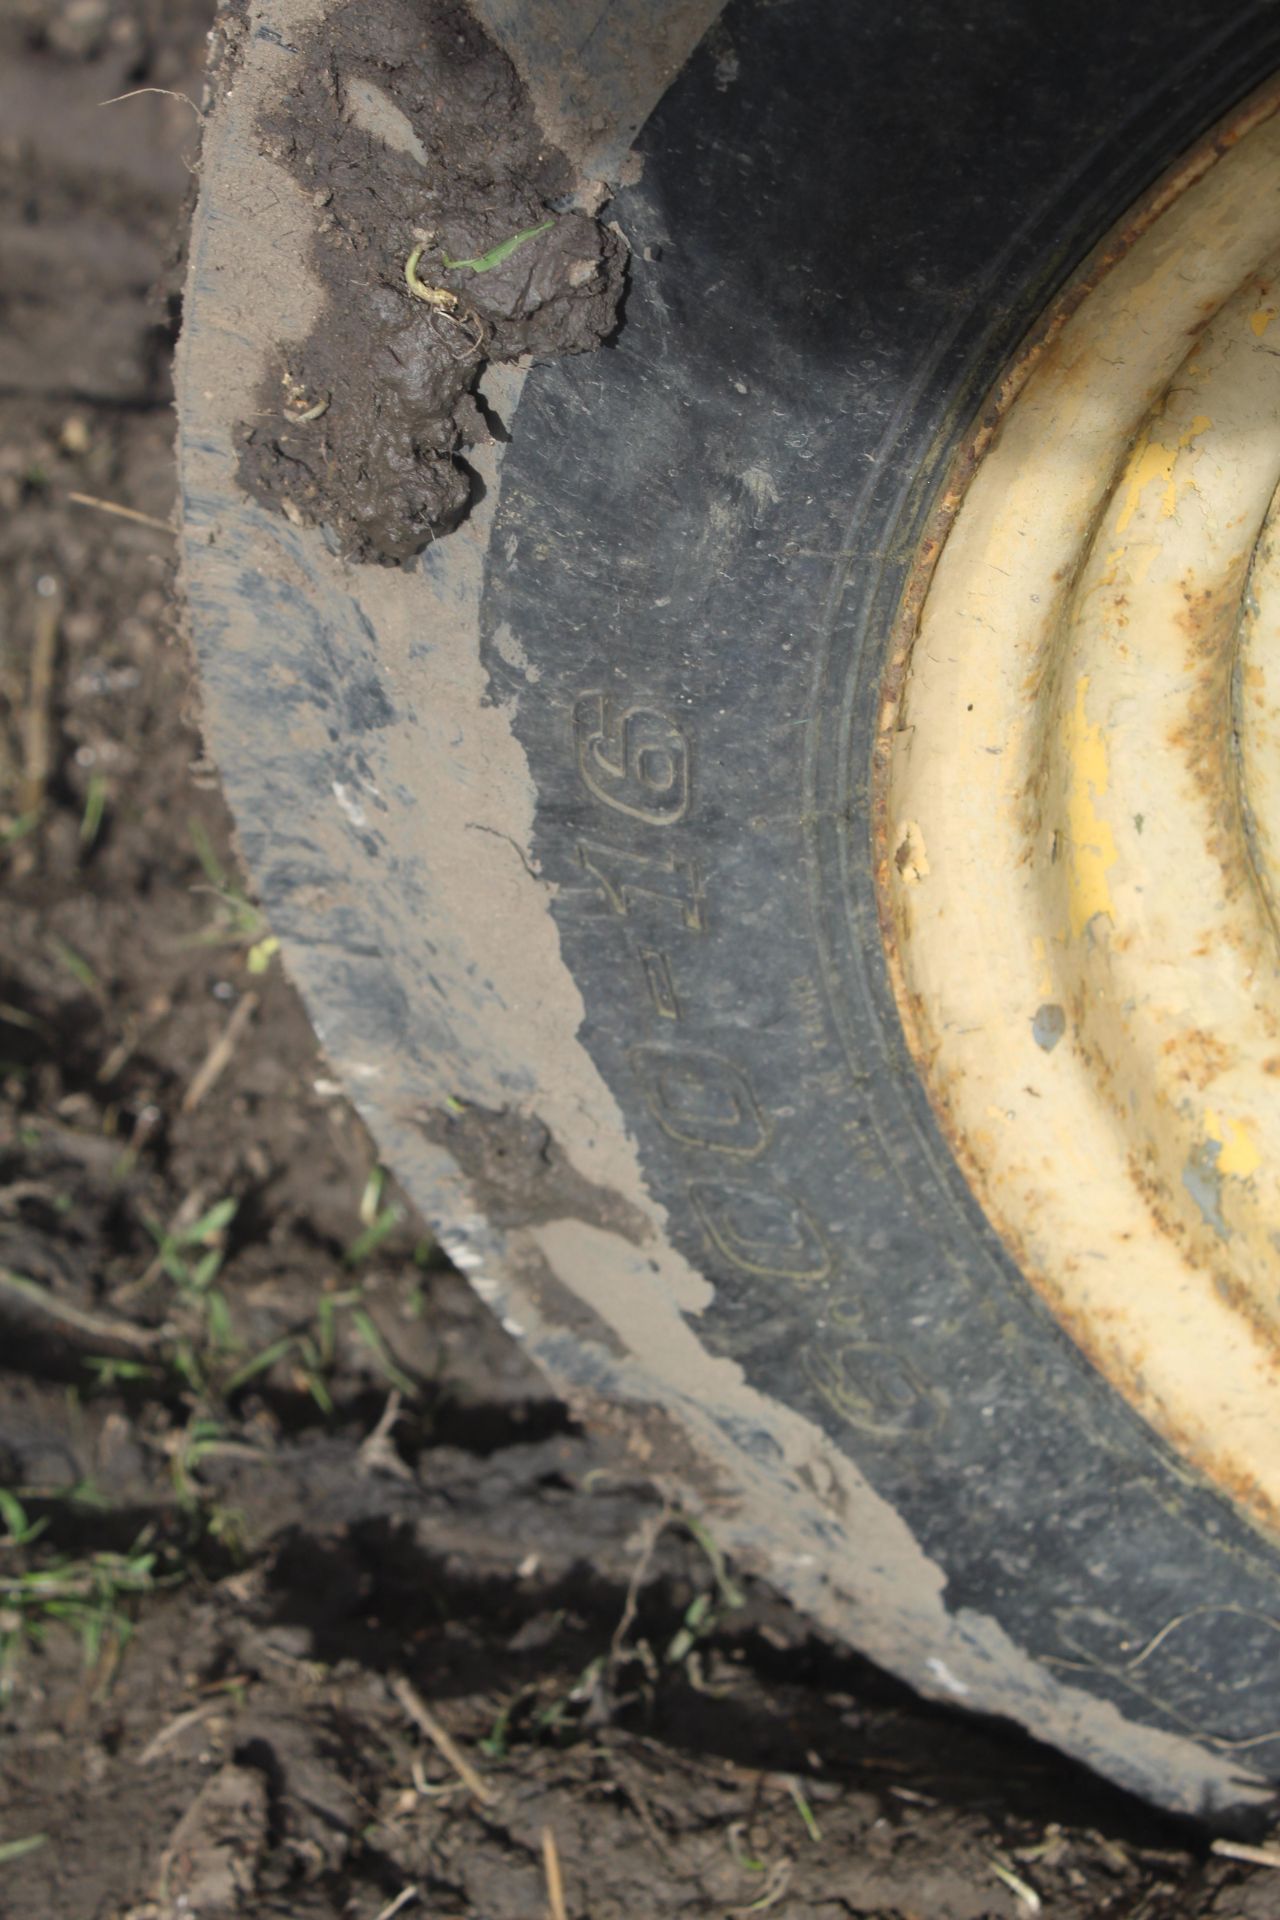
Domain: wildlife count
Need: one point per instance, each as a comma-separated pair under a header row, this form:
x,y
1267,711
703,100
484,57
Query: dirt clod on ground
x,y
416,145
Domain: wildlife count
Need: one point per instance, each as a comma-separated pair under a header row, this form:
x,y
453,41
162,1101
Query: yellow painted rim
x,y
1079,809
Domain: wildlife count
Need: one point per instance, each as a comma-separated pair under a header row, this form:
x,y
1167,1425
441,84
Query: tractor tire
x,y
634,854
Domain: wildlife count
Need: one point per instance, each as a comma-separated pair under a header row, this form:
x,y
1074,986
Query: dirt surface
x,y
449,235
313,1600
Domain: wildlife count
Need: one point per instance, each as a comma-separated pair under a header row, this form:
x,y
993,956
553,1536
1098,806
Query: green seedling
x,y
19,1531
108,1371
15,1017
238,922
698,1618
261,953
486,262
197,1439
496,1744
15,1849
312,1365
260,1363
806,1812
314,1360
369,1337
186,1364
87,1594
315,1379
214,871
748,1862
371,1198
327,1324
76,965
731,1595
228,1526
368,1242
549,1719
95,805
19,828
83,1494
314,1350
705,1610
377,1221
192,1258
175,1244
438,297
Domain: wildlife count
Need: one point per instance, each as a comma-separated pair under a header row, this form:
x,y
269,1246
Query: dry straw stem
x,y
445,1745
175,1728
37,719
1024,1894
168,93
123,513
1253,1856
96,1325
653,1532
218,1058
397,1905
555,1879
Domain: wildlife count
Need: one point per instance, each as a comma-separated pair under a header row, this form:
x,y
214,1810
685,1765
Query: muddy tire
x,y
582,838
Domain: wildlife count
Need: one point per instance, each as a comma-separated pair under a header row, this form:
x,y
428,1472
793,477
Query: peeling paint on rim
x,y
1079,815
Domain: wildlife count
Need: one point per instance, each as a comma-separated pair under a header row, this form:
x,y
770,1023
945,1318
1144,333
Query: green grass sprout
x,y
14,1849
486,262
95,805
76,965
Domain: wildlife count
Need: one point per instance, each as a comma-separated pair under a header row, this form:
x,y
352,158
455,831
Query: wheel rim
x,y
1080,804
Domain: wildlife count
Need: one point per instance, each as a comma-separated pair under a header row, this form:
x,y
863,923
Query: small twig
x,y
125,513
422,1786
445,1745
308,414
1253,1856
1018,1887
805,1811
218,1058
97,1326
401,1900
555,1879
474,340
37,729
630,1786
654,1531
178,1725
17,1191
775,1887
376,1453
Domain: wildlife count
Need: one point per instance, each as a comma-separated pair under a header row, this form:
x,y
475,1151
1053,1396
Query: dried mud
x,y
410,134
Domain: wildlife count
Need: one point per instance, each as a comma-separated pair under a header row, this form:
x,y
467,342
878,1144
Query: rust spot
x,y
1209,619
1198,1057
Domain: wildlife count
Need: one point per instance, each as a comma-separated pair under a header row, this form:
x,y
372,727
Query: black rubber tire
x,y
587,920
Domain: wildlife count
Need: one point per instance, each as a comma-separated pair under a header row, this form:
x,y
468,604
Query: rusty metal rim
x,y
926,775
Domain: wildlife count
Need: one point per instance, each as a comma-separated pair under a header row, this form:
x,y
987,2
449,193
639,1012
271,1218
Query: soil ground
x,y
313,1599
